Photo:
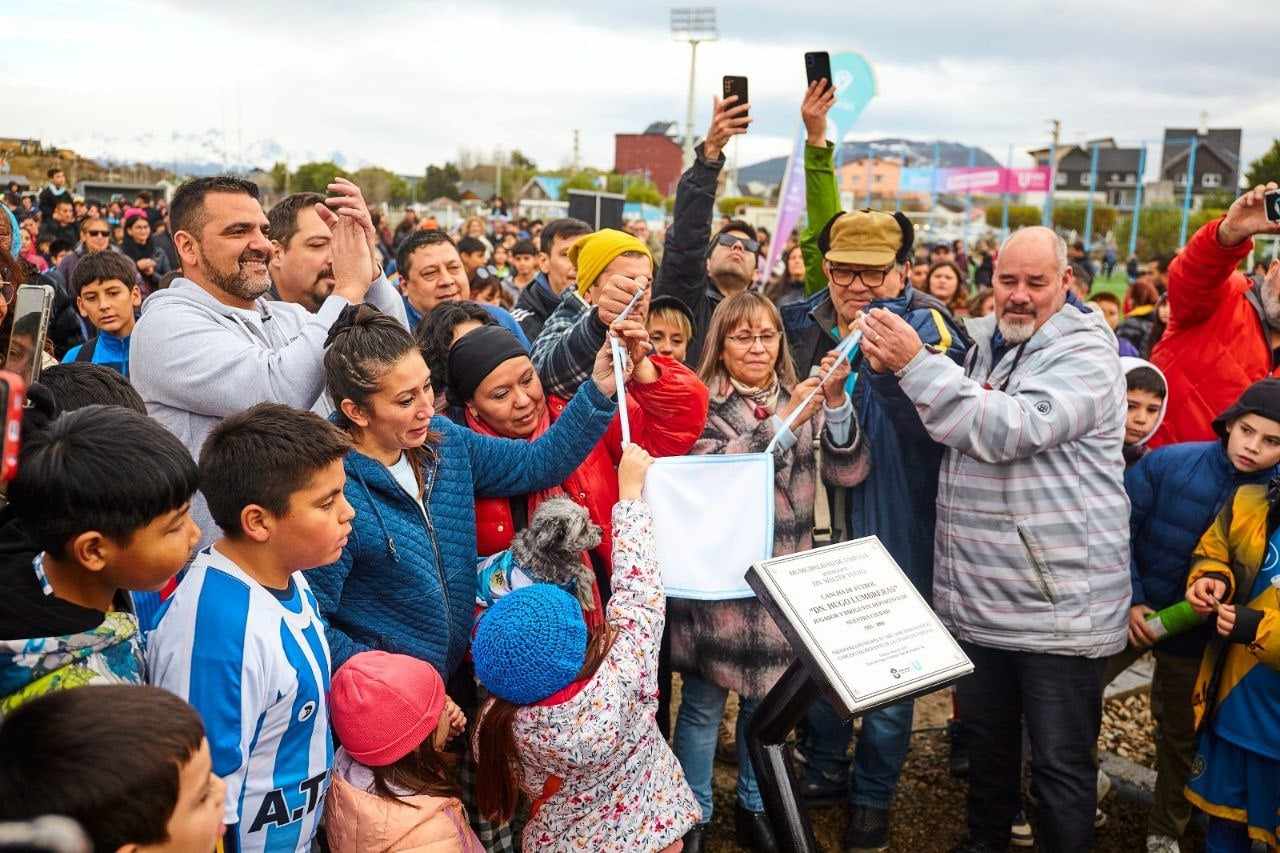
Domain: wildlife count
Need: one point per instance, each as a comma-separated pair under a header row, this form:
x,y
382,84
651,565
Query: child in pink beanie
x,y
393,786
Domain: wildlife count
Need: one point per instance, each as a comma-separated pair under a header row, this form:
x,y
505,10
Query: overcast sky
x,y
403,84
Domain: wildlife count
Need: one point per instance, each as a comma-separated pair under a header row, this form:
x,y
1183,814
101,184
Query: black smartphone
x,y
736,86
1271,202
817,66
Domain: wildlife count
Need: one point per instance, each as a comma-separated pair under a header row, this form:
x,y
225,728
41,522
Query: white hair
x,y
1059,245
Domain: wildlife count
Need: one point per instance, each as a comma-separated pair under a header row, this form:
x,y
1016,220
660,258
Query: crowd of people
x,y
328,535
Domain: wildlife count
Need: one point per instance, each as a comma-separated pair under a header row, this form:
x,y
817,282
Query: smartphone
x,y
1271,202
13,394
817,66
30,309
736,86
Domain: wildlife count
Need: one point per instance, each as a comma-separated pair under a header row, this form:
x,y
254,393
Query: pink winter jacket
x,y
359,822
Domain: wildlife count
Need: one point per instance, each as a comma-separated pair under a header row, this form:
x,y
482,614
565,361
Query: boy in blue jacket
x,y
107,297
1176,491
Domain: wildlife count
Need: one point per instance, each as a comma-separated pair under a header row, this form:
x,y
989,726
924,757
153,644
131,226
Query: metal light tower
x,y
693,24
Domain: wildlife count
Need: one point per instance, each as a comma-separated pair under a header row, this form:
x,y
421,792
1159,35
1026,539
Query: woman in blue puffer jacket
x,y
405,582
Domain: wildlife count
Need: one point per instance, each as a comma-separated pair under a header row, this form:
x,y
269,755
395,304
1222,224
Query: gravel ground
x,y
928,813
1127,729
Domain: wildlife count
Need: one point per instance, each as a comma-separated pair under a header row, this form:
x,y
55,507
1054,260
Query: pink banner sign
x,y
975,179
1033,180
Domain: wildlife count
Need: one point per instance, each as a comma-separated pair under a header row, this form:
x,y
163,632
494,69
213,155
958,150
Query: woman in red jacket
x,y
492,377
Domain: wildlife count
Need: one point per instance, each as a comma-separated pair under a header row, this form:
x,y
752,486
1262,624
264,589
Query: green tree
x,y
1158,229
1265,168
730,203
1071,215
440,181
1020,215
645,192
280,177
584,180
380,185
520,161
315,177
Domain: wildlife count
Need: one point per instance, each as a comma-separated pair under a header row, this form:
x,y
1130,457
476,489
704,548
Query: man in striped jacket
x,y
1032,540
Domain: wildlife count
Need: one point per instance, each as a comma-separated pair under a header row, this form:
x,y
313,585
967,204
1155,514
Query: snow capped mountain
x,y
193,153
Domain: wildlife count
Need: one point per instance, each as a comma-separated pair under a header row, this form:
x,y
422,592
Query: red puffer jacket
x,y
1217,342
666,418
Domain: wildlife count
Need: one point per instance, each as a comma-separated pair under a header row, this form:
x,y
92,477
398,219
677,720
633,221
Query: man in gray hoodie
x,y
210,346
1032,540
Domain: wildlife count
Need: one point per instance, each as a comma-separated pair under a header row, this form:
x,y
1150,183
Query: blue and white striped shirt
x,y
255,664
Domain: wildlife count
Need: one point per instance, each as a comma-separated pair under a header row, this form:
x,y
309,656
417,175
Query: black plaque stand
x,y
775,717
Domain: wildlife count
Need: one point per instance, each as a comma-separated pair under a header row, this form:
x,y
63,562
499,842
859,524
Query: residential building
x,y
1217,165
654,154
1118,171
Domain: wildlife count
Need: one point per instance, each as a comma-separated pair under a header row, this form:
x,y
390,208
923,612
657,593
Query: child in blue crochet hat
x,y
571,722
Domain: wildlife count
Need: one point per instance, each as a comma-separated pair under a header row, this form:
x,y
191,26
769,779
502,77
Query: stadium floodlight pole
x,y
694,24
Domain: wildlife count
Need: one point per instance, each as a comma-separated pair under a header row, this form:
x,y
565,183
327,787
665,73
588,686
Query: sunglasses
x,y
730,240
98,233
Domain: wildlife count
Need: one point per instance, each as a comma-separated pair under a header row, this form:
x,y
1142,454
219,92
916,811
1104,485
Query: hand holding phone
x,y
1271,200
729,119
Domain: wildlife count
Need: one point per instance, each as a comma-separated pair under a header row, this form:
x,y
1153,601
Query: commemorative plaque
x,y
855,619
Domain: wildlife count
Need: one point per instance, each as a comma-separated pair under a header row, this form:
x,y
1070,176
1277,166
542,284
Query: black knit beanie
x,y
474,356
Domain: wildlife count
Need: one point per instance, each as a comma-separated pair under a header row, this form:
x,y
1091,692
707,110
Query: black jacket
x,y
48,198
53,231
535,305
683,273
25,611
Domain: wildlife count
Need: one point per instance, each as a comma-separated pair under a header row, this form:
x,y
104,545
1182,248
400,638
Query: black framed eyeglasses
x,y
731,239
871,279
97,233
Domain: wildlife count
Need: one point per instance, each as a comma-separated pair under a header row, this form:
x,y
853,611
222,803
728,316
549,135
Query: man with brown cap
x,y
866,261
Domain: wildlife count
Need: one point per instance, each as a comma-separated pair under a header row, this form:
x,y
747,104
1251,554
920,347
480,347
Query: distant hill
x,y
915,153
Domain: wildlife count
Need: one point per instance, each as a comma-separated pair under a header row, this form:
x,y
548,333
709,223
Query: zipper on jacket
x,y
427,488
1036,564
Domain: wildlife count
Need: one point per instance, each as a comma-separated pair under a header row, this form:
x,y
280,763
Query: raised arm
x,y
505,466
1064,398
684,256
1200,276
822,194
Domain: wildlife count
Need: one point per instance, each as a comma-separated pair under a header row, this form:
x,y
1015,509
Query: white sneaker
x,y
1104,785
1162,844
1020,834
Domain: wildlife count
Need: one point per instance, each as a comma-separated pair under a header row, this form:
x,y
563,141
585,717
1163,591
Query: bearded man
x,y
210,345
1031,569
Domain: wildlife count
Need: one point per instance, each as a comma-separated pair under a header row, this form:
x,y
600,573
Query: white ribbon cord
x,y
842,352
619,379
619,370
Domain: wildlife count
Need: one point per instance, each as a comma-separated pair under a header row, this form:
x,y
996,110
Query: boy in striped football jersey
x,y
241,638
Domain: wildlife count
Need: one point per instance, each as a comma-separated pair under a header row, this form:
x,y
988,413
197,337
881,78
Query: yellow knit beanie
x,y
596,251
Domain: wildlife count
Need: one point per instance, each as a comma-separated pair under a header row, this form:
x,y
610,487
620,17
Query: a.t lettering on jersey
x,y
275,808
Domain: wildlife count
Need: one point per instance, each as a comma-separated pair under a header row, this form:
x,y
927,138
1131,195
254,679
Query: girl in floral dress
x,y
571,723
